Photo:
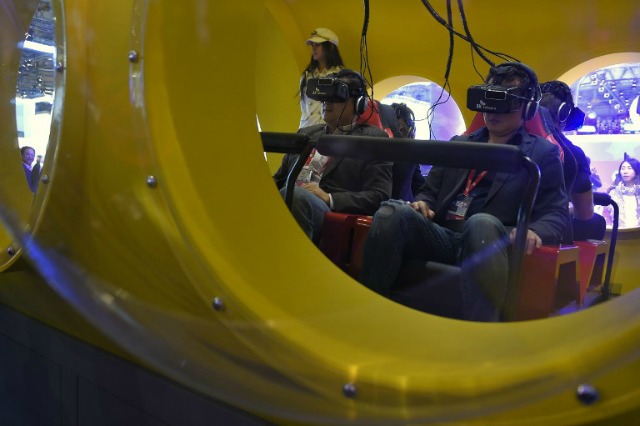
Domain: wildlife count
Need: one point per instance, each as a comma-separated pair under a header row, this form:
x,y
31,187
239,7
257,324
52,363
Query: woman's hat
x,y
320,35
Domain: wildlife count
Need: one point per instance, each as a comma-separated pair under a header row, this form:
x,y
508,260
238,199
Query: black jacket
x,y
550,215
356,186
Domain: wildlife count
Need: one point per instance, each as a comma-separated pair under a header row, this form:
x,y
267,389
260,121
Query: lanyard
x,y
472,183
320,165
310,157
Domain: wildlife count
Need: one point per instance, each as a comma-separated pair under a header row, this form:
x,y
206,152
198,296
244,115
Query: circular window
x,y
437,114
34,92
608,95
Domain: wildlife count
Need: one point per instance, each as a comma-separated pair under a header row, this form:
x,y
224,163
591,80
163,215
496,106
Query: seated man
x,y
407,177
467,217
337,184
556,97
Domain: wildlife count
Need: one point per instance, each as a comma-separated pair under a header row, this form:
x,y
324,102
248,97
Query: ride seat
x,y
593,250
550,274
593,255
372,116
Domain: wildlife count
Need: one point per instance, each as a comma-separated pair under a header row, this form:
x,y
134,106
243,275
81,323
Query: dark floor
x,y
592,297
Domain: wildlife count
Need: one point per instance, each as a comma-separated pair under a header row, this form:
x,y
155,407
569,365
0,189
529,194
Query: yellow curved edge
x,y
160,203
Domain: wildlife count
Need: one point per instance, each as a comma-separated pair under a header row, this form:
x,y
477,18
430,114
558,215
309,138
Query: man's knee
x,y
481,230
484,224
391,216
301,199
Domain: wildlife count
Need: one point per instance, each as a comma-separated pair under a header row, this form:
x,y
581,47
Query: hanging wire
x,y
444,23
446,85
473,62
474,45
475,48
365,69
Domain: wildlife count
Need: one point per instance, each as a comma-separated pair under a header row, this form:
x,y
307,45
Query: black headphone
x,y
359,92
563,112
562,92
533,93
403,112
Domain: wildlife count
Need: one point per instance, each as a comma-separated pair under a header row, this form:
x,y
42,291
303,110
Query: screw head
x,y
349,390
587,394
218,304
59,67
44,179
133,56
152,181
11,251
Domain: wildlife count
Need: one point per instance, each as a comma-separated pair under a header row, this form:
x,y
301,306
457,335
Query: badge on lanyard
x,y
305,176
458,208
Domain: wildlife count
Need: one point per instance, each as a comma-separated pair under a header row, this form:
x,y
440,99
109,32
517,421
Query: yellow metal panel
x,y
162,226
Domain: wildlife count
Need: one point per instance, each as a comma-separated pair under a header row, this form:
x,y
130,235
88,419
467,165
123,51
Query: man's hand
x,y
421,207
533,241
313,188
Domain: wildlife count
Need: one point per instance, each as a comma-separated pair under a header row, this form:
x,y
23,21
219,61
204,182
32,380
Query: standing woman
x,y
627,193
325,60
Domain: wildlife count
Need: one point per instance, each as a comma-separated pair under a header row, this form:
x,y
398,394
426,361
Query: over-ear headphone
x,y
357,91
561,92
404,113
532,94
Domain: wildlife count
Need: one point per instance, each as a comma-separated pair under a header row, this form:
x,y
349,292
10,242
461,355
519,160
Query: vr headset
x,y
494,98
575,119
327,90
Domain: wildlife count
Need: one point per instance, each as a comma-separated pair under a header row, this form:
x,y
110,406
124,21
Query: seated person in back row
x,y
467,217
407,177
557,99
337,184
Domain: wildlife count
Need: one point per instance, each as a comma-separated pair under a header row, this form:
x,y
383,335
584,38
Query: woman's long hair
x,y
635,165
332,59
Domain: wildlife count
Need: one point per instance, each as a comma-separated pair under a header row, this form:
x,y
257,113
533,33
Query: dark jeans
x,y
308,210
398,232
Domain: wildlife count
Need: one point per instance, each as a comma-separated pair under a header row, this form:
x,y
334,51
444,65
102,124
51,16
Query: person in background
x,y
468,217
626,193
325,60
557,99
28,154
596,182
35,173
343,185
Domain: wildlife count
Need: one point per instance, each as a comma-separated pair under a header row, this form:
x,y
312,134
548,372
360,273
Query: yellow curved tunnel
x,y
160,225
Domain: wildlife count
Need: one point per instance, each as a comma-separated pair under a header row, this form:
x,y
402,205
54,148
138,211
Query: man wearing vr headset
x,y
565,116
337,184
468,217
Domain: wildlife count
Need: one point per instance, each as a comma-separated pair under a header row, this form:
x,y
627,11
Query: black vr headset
x,y
575,120
494,98
327,90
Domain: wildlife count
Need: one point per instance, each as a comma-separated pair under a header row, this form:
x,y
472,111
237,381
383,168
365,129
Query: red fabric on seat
x,y
337,232
535,126
371,116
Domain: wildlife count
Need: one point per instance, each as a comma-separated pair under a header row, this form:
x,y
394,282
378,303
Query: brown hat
x,y
320,35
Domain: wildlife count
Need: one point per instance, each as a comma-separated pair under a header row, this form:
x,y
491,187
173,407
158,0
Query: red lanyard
x,y
472,183
310,157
